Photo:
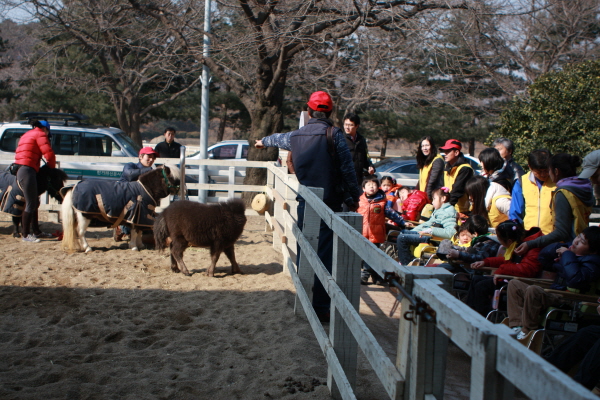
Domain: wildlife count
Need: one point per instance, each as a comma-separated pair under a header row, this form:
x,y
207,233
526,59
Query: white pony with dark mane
x,y
115,203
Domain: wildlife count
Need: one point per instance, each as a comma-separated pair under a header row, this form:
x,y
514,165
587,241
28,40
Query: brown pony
x,y
186,223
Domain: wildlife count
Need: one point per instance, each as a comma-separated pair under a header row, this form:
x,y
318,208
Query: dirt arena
x,y
118,324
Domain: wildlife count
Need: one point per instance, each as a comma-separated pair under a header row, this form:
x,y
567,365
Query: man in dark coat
x,y
357,145
315,165
169,148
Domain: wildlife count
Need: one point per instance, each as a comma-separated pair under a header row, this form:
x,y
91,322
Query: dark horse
x,y
187,223
115,203
48,179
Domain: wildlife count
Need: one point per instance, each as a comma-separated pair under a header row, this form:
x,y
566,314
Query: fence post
x,y
280,188
421,354
310,230
292,207
230,192
346,273
486,382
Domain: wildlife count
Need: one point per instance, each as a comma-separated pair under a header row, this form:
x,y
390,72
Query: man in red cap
x,y
131,172
457,172
321,159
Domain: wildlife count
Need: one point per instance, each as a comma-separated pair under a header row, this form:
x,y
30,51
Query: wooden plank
x,y
390,377
223,187
231,181
533,375
344,386
346,274
486,382
457,320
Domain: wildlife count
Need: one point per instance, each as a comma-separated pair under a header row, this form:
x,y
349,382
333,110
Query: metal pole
x,y
203,176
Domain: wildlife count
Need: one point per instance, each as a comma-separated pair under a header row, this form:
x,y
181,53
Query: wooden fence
x,y
431,315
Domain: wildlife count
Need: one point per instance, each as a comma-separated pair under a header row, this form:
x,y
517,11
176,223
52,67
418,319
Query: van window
x,y
245,151
96,144
10,139
65,143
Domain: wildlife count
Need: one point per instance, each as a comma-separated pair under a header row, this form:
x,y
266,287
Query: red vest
x,y
373,213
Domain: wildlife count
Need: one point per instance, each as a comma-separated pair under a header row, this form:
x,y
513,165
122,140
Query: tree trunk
x,y
265,121
384,142
222,123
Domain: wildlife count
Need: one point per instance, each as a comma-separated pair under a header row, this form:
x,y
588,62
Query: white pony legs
x,y
82,225
135,242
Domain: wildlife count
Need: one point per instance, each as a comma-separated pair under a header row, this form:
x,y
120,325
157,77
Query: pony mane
x,y
175,172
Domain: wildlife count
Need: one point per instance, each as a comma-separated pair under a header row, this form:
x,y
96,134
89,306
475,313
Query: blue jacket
x,y
445,216
132,171
574,272
312,162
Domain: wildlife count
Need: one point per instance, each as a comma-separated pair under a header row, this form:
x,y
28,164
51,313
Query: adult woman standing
x,y
32,146
494,168
572,203
431,167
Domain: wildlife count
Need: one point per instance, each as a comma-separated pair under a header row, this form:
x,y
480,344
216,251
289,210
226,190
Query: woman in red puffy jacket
x,y
32,146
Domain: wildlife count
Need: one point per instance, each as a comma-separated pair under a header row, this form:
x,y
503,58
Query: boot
x,y
26,223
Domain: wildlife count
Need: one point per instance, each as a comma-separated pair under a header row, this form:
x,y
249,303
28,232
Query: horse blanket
x,y
115,202
12,199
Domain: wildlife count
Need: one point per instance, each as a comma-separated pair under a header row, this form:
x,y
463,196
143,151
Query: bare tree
x,y
254,43
117,50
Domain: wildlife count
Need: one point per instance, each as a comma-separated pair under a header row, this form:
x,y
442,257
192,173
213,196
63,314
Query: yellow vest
x,y
449,177
424,174
537,204
494,215
581,212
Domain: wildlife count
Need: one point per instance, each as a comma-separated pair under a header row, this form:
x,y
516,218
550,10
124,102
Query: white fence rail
x,y
499,364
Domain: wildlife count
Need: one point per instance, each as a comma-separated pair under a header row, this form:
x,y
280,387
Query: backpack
x,y
413,205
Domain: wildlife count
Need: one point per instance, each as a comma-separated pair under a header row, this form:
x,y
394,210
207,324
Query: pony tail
x,y
69,222
161,232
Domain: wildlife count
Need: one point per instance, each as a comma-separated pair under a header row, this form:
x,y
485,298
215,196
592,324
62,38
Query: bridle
x,y
173,189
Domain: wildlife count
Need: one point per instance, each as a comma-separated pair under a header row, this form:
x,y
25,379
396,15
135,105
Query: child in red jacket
x,y
510,235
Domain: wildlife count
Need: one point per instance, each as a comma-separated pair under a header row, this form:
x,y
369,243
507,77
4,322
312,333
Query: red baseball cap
x,y
320,101
148,150
452,144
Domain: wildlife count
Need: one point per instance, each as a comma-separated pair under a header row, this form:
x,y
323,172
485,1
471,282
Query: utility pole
x,y
203,176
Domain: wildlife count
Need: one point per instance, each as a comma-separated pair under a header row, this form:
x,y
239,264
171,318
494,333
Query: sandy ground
x,y
118,324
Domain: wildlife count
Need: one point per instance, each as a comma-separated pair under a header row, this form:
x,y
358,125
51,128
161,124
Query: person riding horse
x,y
32,146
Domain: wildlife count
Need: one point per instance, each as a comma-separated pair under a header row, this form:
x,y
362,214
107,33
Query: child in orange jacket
x,y
375,208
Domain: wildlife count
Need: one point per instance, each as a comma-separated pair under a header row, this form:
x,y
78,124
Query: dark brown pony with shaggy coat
x,y
187,223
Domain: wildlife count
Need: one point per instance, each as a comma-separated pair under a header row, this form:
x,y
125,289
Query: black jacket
x,y
458,189
360,155
168,150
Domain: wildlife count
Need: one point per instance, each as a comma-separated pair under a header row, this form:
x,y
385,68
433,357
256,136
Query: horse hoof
x,y
135,249
88,249
187,274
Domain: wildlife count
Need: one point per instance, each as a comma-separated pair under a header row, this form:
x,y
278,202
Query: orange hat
x,y
148,150
320,101
452,144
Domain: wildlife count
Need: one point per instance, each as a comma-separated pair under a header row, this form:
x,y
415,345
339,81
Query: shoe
x,y
364,280
117,234
30,239
44,235
517,329
521,335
